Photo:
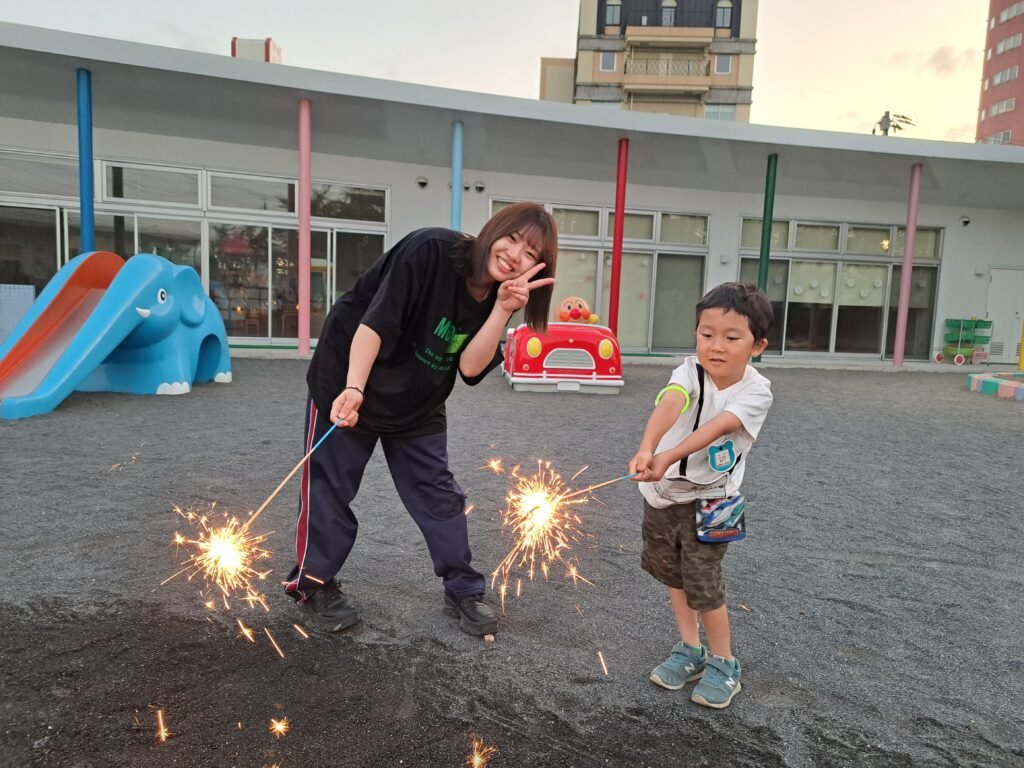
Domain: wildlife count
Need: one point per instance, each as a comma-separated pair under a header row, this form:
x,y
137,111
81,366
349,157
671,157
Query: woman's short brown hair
x,y
538,227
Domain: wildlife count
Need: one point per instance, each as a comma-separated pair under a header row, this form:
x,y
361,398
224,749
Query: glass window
x,y
128,183
725,112
239,283
318,285
38,175
860,306
28,246
868,240
252,194
723,65
176,240
817,237
111,233
668,17
635,226
920,315
683,229
284,283
608,63
723,15
354,253
778,277
612,13
337,201
926,243
809,310
751,236
572,221
634,297
577,276
679,286
497,205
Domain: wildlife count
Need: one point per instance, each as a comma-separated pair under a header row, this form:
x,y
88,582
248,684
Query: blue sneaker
x,y
685,664
721,682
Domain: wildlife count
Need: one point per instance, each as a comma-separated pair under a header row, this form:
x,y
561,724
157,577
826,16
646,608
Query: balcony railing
x,y
668,67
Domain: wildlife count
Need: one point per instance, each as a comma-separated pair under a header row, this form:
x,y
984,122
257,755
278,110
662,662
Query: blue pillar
x,y
457,175
85,180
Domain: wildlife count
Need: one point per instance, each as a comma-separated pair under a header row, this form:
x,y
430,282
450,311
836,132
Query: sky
x,y
824,64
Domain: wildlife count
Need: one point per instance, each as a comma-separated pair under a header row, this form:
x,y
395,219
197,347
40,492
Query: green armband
x,y
674,388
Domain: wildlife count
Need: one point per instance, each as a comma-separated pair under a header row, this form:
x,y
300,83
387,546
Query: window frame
x,y
105,197
601,60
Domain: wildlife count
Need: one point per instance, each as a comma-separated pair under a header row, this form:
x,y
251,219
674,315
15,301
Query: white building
x,y
197,157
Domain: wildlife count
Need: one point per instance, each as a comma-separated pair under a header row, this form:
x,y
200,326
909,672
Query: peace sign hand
x,y
514,294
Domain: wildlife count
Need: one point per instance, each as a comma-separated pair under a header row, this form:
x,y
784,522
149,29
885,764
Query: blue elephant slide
x,y
102,324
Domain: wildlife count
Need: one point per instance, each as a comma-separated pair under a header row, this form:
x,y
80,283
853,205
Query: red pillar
x,y
620,216
903,309
304,230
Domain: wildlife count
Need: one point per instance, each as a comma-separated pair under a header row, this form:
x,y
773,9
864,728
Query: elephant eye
x,y
161,296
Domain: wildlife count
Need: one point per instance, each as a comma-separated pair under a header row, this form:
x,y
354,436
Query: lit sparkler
x,y
273,642
246,632
481,754
162,733
279,727
495,466
223,555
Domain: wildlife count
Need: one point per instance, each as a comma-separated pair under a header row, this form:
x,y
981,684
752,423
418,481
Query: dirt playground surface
x,y
875,604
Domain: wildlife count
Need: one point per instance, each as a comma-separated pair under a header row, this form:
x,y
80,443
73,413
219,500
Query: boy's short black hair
x,y
743,299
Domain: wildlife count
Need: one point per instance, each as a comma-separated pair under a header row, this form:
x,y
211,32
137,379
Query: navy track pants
x,y
326,528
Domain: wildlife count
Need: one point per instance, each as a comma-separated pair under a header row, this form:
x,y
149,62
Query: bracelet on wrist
x,y
357,389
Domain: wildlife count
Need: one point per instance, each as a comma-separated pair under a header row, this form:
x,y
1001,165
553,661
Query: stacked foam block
x,y
1009,386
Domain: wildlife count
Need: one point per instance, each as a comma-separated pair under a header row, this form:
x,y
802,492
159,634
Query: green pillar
x,y
766,226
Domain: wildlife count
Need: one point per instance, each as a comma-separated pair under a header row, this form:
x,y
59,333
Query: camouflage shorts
x,y
673,556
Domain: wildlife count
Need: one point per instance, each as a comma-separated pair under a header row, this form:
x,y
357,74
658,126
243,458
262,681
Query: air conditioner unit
x,y
643,21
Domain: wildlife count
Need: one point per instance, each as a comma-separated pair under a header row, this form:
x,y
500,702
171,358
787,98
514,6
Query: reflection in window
x,y
723,15
571,221
817,237
926,243
778,277
921,313
28,246
751,237
676,293
577,276
284,283
318,286
860,302
337,201
634,297
112,233
252,194
685,230
809,312
238,278
612,13
874,240
38,175
354,253
175,240
152,184
635,226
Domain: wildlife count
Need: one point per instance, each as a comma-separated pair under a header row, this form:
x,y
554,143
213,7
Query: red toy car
x,y
570,357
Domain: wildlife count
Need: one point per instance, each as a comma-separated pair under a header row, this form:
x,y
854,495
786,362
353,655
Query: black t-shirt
x,y
421,309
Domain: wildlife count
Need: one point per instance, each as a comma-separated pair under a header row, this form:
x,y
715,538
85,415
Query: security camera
x,y
965,221
478,186
421,181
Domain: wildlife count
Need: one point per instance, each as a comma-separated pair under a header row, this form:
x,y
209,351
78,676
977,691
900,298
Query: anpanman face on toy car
x,y
575,310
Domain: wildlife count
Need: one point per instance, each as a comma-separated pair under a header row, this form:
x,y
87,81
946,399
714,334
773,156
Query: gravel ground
x,y
875,605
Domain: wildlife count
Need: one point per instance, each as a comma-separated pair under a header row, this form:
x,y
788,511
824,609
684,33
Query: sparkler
x,y
481,754
279,727
161,730
539,512
223,555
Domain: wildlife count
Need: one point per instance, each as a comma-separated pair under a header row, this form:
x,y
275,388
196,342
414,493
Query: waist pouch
x,y
722,520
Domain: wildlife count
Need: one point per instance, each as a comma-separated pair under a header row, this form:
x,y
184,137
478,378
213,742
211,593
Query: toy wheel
x,y
959,359
939,358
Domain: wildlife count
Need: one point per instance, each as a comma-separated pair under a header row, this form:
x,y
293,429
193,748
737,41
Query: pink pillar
x,y
620,217
903,309
303,201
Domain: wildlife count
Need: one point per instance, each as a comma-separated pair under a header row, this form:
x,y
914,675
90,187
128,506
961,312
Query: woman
x,y
436,303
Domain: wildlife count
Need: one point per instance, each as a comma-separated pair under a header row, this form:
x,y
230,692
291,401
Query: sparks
x,y
162,733
273,642
494,465
279,727
469,508
574,574
224,556
301,631
481,754
604,666
246,632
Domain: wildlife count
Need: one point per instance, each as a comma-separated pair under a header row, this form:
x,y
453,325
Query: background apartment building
x,y
1001,108
683,57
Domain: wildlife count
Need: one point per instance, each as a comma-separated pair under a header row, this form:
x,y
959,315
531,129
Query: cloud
x,y
945,61
900,58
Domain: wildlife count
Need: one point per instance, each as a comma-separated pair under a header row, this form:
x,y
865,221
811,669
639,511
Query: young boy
x,y
699,454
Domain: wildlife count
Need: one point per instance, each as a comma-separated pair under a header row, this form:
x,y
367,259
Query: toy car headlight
x,y
534,347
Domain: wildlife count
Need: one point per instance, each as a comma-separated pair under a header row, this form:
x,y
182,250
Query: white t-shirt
x,y
716,471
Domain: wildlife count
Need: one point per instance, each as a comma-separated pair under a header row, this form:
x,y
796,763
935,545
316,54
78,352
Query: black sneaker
x,y
329,609
475,616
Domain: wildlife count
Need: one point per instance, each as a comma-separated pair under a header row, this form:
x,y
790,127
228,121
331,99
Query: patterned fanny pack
x,y
722,520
